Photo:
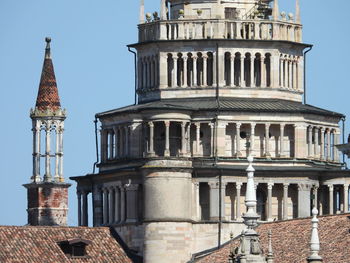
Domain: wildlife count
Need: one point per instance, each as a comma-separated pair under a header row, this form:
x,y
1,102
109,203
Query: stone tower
x,y
47,192
217,81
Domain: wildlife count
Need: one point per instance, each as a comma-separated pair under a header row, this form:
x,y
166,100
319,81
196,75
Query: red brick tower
x,y
47,195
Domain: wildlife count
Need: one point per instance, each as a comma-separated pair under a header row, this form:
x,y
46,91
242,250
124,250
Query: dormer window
x,y
75,248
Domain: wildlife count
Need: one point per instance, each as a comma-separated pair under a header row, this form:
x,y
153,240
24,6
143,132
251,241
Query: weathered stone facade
x,y
217,82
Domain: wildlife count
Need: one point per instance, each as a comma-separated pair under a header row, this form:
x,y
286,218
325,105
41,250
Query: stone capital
x,y
151,124
167,123
304,187
270,186
331,187
239,185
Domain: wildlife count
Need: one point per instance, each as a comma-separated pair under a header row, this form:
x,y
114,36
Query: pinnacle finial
x,y
163,12
48,48
142,12
315,241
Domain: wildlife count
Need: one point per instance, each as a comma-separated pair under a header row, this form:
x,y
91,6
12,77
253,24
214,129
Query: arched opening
x,y
247,69
228,69
257,70
210,67
180,70
189,69
204,201
199,69
261,202
268,69
170,64
237,66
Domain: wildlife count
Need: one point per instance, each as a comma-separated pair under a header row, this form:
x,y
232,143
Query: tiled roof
x,y
48,98
291,241
225,104
40,245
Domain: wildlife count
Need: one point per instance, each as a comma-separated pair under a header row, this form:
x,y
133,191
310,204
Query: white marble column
x,y
252,77
47,176
238,200
167,139
205,70
282,126
328,145
188,137
174,76
214,69
346,198
267,140
315,196
198,130
322,153
185,72
309,129
197,203
116,144
269,201
36,153
285,201
238,139
57,157
232,72
194,71
151,139
111,144
331,200
212,125
183,139
242,80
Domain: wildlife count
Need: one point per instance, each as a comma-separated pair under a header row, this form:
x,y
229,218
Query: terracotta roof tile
x,y
48,98
291,238
40,244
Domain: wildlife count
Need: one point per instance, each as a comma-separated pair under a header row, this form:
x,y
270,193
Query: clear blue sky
x,y
94,72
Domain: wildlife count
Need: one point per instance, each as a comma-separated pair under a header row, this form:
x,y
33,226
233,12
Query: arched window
x,y
210,67
228,69
237,65
180,70
257,70
199,69
170,64
247,69
268,69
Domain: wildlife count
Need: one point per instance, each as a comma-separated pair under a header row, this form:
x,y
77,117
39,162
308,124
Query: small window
x,y
74,247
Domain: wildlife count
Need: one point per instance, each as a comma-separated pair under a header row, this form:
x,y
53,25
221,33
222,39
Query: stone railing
x,y
186,29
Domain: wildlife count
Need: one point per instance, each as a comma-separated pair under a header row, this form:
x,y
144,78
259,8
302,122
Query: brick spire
x,y
48,98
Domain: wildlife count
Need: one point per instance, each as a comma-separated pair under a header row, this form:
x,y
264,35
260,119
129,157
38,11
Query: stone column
x,y
336,142
163,71
212,153
282,126
110,206
269,201
214,200
111,142
79,208
132,202
116,146
197,204
85,216
60,138
309,128
151,139
252,135
300,141
116,204
315,196
214,69
285,201
252,79
122,205
232,73
174,77
242,82
205,69
188,135
57,156
126,151
198,127
121,142
47,176
290,75
328,145
304,200
185,72
167,139
331,200
238,139
194,71
316,142
36,154
295,75
238,200
322,154
262,72
346,198
267,140
321,200
105,206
